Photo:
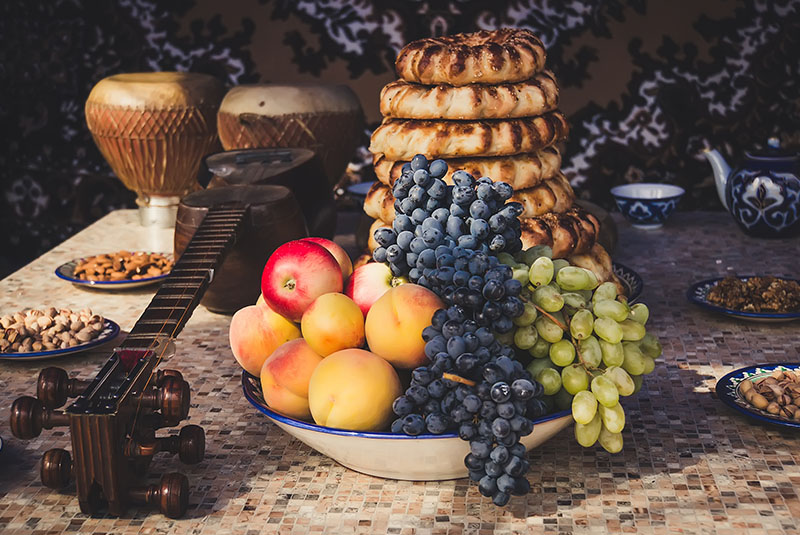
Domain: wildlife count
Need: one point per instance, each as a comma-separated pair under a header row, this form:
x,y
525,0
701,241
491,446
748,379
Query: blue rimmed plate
x,y
630,279
728,391
109,332
67,273
698,294
387,455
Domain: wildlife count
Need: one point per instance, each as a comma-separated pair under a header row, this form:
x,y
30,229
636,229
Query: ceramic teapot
x,y
763,194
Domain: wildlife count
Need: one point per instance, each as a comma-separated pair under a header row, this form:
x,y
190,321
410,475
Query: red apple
x,y
368,283
338,253
297,273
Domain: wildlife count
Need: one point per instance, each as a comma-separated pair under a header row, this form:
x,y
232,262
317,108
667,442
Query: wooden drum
x,y
324,118
154,128
274,218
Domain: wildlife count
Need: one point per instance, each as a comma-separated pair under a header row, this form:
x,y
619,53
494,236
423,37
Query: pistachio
x,y
759,401
36,330
778,393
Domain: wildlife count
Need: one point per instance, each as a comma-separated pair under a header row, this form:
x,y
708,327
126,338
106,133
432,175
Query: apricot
x,y
285,377
331,323
353,389
395,321
255,332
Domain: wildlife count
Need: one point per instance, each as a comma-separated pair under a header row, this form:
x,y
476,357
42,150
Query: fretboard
x,y
181,292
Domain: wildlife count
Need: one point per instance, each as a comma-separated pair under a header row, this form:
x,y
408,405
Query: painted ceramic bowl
x,y
647,205
420,458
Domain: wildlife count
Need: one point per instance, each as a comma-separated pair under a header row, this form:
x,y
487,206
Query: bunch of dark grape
x,y
446,238
473,386
510,400
472,214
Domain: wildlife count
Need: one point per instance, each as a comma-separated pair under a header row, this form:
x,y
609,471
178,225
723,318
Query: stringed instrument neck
x,y
114,417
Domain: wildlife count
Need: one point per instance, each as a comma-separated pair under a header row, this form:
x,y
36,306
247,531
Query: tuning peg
x,y
54,387
171,495
171,397
190,445
56,469
163,374
29,417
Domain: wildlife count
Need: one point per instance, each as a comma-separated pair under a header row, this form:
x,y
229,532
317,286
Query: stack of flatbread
x,y
485,103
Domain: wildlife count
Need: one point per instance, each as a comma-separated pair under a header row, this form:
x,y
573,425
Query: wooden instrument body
x,y
299,170
115,415
274,218
326,119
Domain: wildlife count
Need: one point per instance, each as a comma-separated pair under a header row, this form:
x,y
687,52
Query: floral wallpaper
x,y
646,84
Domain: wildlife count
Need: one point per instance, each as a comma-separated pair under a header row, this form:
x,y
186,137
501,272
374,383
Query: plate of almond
x,y
121,270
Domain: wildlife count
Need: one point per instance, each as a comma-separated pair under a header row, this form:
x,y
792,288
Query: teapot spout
x,y
721,172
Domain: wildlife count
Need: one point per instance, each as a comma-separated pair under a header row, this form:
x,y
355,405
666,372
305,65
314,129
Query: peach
x,y
331,323
285,377
353,389
395,322
338,253
255,332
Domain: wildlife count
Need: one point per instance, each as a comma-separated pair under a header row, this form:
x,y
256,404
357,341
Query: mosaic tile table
x,y
690,465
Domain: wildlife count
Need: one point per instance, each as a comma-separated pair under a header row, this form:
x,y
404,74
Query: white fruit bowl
x,y
420,458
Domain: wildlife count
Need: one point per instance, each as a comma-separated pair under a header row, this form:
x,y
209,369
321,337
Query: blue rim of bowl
x,y
250,384
109,284
727,391
694,296
636,283
109,332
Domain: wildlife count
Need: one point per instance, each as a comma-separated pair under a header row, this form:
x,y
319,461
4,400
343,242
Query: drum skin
x,y
155,128
324,118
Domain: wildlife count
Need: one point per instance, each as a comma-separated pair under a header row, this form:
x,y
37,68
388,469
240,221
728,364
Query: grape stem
x,y
458,379
552,318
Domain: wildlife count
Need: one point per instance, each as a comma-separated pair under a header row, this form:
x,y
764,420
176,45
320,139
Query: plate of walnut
x,y
749,297
122,270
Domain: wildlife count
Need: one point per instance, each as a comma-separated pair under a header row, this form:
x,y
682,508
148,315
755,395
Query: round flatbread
x,y
520,171
528,98
553,195
379,203
487,57
402,139
569,233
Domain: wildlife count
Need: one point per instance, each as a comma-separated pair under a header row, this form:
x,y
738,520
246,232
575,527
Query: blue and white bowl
x,y
419,458
647,205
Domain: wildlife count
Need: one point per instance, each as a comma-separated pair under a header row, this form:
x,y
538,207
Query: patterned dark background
x,y
646,83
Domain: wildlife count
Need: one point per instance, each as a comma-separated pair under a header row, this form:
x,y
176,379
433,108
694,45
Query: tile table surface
x,y
690,465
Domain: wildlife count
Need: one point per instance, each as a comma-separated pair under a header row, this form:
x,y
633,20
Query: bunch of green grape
x,y
589,347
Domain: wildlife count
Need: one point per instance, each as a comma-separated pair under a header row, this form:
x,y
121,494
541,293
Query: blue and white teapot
x,y
763,194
